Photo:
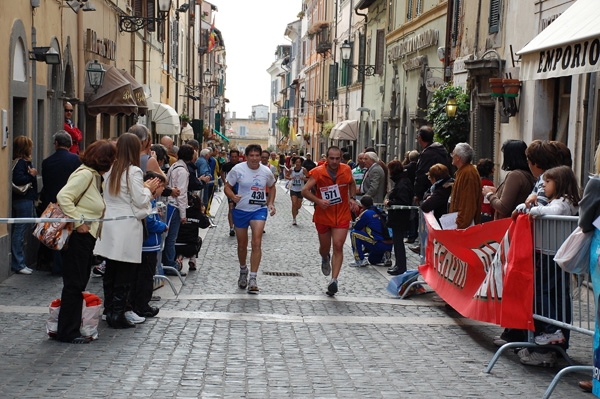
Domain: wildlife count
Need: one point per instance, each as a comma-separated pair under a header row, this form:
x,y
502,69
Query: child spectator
x,y
188,242
143,287
560,187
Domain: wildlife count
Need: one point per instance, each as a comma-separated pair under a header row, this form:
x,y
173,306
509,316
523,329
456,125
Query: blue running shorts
x,y
241,219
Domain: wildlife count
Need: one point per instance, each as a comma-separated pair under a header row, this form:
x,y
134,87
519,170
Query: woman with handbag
x,y
24,193
125,194
81,197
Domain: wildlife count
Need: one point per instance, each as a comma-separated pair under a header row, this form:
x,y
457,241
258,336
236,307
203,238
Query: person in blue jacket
x,y
370,234
144,285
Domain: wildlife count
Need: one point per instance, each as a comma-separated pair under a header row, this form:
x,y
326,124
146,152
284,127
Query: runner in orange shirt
x,y
335,196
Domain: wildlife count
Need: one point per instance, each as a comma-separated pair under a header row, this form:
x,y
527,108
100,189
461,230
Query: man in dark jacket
x,y
309,163
56,170
370,233
432,153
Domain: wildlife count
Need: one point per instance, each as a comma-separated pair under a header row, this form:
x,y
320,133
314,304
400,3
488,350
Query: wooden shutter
x,y
151,13
349,65
409,11
379,51
456,16
494,19
361,55
333,74
138,8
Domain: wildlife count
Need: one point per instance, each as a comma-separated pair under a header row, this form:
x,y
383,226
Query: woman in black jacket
x,y
399,220
436,197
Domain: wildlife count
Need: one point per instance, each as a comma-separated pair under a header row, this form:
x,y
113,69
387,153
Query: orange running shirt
x,y
339,213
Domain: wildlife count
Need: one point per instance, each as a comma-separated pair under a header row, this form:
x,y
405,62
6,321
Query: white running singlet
x,y
252,185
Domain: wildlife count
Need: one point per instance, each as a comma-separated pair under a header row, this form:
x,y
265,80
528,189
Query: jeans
x,y
22,208
168,258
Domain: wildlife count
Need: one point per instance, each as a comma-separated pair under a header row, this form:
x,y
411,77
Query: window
x,y
379,52
333,77
361,54
414,8
455,21
390,26
242,131
494,19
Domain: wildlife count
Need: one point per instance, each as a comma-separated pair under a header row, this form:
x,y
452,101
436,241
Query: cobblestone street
x,y
214,340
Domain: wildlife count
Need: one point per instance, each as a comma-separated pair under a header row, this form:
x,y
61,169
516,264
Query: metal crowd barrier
x,y
561,299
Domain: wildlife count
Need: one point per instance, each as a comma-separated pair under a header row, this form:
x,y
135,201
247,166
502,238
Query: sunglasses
x,y
68,110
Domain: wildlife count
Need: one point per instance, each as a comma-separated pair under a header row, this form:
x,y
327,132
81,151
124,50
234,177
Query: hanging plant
x,y
327,129
283,123
306,137
449,130
300,14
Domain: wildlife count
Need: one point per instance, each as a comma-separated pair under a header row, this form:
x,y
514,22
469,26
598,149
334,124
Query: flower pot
x,y
319,118
511,87
496,84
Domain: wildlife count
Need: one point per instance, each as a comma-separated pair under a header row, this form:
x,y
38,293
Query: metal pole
x,y
34,105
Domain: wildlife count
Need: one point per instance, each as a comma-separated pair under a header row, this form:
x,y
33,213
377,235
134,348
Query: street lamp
x,y
451,106
302,93
132,24
46,54
346,49
95,74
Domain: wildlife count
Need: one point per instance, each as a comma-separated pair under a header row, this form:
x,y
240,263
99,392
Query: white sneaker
x,y
134,318
556,337
537,358
25,270
359,263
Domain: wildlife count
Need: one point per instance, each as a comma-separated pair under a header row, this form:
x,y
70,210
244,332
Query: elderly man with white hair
x,y
466,197
373,183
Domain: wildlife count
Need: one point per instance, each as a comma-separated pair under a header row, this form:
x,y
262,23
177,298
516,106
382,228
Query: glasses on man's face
x,y
68,110
264,157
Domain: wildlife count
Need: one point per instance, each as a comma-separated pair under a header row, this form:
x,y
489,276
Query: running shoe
x,y
231,232
326,265
332,288
243,280
556,337
252,286
98,270
134,318
25,270
294,223
359,263
192,264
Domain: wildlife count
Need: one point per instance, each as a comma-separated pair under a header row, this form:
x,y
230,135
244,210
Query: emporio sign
x,y
418,42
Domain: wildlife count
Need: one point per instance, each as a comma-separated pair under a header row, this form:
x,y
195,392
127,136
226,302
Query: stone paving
x,y
213,340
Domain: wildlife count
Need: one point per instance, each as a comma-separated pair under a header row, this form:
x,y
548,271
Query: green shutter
x,y
455,17
333,74
150,13
410,10
494,19
349,65
342,80
361,55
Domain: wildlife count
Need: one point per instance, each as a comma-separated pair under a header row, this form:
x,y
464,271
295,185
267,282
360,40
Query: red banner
x,y
485,272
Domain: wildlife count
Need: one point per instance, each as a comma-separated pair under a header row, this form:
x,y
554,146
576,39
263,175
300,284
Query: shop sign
x,y
414,63
418,42
103,47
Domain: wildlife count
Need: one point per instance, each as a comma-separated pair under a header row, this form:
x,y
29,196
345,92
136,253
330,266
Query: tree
x,y
449,130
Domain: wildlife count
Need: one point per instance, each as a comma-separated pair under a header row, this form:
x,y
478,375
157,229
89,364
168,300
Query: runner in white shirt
x,y
298,176
251,204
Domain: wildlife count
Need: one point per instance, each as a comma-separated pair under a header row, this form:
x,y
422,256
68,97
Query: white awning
x,y
568,46
345,130
166,119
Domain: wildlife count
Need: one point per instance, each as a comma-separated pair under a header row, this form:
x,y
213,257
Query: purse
x,y
55,235
22,189
573,256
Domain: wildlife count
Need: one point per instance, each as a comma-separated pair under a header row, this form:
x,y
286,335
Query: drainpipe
x,y
448,38
348,70
34,105
81,83
364,78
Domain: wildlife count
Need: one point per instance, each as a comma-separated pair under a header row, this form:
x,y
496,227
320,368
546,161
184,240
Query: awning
x,y
138,93
187,133
345,130
114,97
568,46
166,119
362,4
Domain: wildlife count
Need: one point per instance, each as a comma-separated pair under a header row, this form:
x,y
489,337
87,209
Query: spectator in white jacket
x,y
125,194
178,176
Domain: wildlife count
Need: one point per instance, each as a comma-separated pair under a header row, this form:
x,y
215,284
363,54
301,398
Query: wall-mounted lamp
x,y
302,93
346,49
131,24
45,54
95,74
208,82
77,5
451,106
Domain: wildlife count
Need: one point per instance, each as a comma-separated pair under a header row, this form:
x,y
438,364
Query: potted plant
x,y
283,123
326,131
319,117
301,14
306,137
449,130
511,87
497,87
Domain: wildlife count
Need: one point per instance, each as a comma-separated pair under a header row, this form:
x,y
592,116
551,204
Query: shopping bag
x,y
574,254
399,284
90,316
54,235
52,322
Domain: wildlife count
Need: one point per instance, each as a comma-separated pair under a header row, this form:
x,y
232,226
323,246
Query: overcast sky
x,y
251,31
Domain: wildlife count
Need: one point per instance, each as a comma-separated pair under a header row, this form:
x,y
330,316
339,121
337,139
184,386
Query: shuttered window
x,y
333,77
151,13
409,10
138,8
379,51
494,19
455,18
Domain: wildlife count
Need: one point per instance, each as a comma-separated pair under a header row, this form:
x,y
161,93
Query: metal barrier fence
x,y
561,299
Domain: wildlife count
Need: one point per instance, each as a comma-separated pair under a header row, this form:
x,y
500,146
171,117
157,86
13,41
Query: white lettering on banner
x,y
570,56
493,264
448,266
418,42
